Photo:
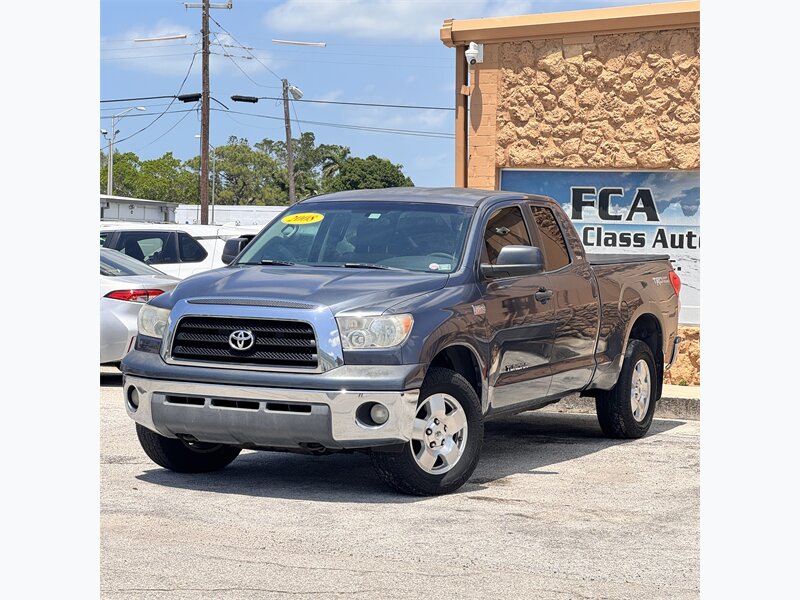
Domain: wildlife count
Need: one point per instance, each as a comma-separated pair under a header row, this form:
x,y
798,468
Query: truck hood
x,y
339,288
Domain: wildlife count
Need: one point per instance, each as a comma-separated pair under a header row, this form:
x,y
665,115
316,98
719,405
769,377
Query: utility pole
x,y
296,94
289,152
114,131
205,107
110,173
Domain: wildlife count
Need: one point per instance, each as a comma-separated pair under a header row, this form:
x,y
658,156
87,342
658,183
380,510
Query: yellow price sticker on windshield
x,y
302,218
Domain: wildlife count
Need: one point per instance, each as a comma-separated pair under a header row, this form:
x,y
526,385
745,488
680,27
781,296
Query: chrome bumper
x,y
676,345
267,417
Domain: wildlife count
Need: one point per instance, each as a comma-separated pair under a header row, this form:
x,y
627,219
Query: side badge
x,y
478,309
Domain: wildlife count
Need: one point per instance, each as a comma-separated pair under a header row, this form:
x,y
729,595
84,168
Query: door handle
x,y
543,295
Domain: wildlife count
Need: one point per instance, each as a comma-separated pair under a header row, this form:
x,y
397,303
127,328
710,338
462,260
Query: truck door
x,y
520,326
575,302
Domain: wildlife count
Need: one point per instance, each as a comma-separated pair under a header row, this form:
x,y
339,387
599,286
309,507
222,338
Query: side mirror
x,y
514,261
232,248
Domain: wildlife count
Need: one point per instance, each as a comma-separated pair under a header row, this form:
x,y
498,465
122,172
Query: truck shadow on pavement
x,y
532,443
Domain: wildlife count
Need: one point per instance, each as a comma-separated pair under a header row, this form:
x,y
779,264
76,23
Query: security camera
x,y
474,53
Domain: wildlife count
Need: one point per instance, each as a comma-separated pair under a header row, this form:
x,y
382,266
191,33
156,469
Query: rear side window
x,y
149,247
190,248
506,227
553,245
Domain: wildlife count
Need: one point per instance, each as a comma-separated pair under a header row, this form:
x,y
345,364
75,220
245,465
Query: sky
x,y
377,51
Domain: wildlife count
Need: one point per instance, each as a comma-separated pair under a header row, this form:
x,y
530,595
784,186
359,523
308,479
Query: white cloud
x,y
434,162
410,20
398,118
383,19
330,96
167,57
173,57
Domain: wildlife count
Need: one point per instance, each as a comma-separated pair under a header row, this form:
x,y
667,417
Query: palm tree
x,y
333,159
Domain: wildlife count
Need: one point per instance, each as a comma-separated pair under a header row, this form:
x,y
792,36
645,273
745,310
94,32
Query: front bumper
x,y
264,417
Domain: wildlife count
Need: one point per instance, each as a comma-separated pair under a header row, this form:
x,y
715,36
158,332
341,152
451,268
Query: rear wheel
x,y
446,439
185,457
626,411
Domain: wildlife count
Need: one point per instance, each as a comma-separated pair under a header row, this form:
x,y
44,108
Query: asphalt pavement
x,y
554,510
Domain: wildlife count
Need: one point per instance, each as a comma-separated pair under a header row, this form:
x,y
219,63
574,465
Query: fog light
x,y
133,399
379,413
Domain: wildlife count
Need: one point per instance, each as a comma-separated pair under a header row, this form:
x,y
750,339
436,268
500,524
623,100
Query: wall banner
x,y
636,212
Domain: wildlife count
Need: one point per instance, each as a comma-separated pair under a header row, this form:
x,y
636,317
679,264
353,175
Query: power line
x,y
296,120
409,132
148,46
339,62
364,104
139,98
134,39
329,53
178,122
147,56
180,89
134,115
226,54
134,106
248,51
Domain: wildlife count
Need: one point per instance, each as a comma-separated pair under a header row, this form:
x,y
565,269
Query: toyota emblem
x,y
241,339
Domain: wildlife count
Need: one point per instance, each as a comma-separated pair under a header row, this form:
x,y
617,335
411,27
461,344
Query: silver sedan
x,y
126,284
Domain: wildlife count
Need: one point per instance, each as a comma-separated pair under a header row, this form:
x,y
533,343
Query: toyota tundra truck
x,y
397,322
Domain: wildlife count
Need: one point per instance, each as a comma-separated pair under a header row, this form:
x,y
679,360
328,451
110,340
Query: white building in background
x,y
121,208
228,215
141,210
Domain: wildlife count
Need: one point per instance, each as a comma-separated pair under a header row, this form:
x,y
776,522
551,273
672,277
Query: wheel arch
x,y
648,329
464,360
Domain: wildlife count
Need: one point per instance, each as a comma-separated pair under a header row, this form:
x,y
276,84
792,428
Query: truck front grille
x,y
276,343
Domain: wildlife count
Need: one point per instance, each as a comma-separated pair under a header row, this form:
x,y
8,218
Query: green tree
x,y
166,179
307,160
126,173
371,172
245,174
333,157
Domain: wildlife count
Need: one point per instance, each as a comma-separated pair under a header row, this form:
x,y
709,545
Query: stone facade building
x,y
604,89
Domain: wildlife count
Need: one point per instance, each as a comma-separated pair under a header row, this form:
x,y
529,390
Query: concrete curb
x,y
677,402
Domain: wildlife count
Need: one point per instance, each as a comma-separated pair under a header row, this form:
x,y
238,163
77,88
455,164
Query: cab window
x,y
506,227
554,247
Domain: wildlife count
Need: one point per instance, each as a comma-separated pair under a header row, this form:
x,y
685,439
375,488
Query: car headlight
x,y
153,321
374,332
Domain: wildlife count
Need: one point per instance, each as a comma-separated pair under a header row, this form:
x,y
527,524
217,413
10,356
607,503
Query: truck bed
x,y
612,259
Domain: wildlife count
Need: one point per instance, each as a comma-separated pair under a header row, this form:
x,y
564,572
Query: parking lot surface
x,y
554,510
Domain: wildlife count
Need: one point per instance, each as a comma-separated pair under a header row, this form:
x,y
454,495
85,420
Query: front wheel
x,y
446,439
626,410
184,457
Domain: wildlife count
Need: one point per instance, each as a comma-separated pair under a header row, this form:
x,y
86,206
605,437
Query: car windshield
x,y
383,235
115,264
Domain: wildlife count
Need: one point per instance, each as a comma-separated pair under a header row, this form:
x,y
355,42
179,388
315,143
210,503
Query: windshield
x,y
115,264
385,234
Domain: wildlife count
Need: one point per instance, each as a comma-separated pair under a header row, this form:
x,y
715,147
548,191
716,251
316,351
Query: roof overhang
x,y
577,23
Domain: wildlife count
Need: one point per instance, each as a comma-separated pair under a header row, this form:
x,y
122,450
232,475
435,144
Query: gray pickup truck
x,y
397,322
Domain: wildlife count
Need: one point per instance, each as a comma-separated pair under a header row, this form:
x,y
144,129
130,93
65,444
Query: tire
x,y
178,456
615,407
404,472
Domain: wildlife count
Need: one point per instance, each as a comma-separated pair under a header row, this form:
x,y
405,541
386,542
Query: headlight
x,y
374,332
153,321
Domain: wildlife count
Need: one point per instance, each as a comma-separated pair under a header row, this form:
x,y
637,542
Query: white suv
x,y
178,250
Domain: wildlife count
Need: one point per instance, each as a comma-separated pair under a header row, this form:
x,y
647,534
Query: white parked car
x,y
126,285
177,250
